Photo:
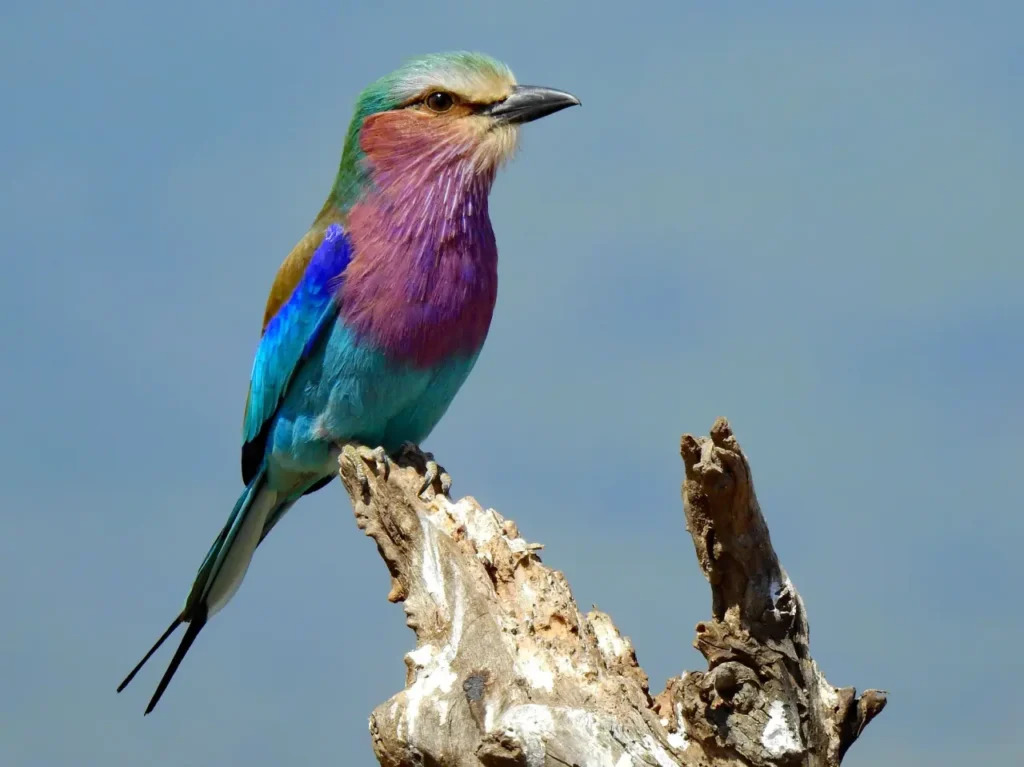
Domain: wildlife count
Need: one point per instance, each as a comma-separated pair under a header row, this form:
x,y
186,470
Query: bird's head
x,y
438,112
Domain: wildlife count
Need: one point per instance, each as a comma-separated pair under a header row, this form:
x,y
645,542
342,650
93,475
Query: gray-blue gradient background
x,y
808,218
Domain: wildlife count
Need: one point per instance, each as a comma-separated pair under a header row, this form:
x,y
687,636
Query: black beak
x,y
530,102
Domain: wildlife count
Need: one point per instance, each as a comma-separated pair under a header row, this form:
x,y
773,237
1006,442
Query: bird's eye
x,y
439,101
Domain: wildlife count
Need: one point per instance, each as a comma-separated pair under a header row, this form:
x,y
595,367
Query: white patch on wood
x,y
421,656
826,692
527,594
776,591
438,677
480,526
778,738
434,667
395,716
534,670
531,724
575,728
660,754
458,616
678,738
608,639
583,721
588,738
678,741
433,578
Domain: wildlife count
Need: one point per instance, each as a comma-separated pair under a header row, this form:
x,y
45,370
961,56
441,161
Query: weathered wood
x,y
508,672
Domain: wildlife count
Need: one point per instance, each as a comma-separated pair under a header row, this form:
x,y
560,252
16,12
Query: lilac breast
x,y
423,279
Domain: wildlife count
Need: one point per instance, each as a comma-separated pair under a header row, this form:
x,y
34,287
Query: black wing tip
x,y
253,453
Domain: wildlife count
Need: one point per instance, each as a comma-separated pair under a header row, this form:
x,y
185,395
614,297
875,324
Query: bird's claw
x,y
433,471
364,455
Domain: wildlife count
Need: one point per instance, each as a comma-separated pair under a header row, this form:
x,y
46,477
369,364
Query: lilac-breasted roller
x,y
378,314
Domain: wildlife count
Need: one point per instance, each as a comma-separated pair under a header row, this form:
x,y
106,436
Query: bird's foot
x,y
362,456
433,471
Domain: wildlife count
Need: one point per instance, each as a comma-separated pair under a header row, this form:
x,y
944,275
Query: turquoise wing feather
x,y
288,338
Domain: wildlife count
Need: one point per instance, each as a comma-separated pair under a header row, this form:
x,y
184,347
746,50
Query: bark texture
x,y
508,672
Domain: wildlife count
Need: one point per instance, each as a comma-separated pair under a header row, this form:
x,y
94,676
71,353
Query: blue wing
x,y
288,339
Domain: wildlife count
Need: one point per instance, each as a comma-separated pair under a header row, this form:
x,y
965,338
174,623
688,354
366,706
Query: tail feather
x,y
219,576
170,630
194,627
282,508
231,562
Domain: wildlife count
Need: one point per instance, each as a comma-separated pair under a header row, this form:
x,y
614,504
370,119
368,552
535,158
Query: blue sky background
x,y
808,218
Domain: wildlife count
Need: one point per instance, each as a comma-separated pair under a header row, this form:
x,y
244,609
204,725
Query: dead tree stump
x,y
508,672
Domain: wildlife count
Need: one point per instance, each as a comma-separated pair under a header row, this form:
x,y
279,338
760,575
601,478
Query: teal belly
x,y
347,391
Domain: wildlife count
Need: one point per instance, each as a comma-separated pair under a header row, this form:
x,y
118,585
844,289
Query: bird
x,y
378,314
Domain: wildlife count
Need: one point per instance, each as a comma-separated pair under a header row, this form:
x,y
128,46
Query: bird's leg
x,y
432,471
362,455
